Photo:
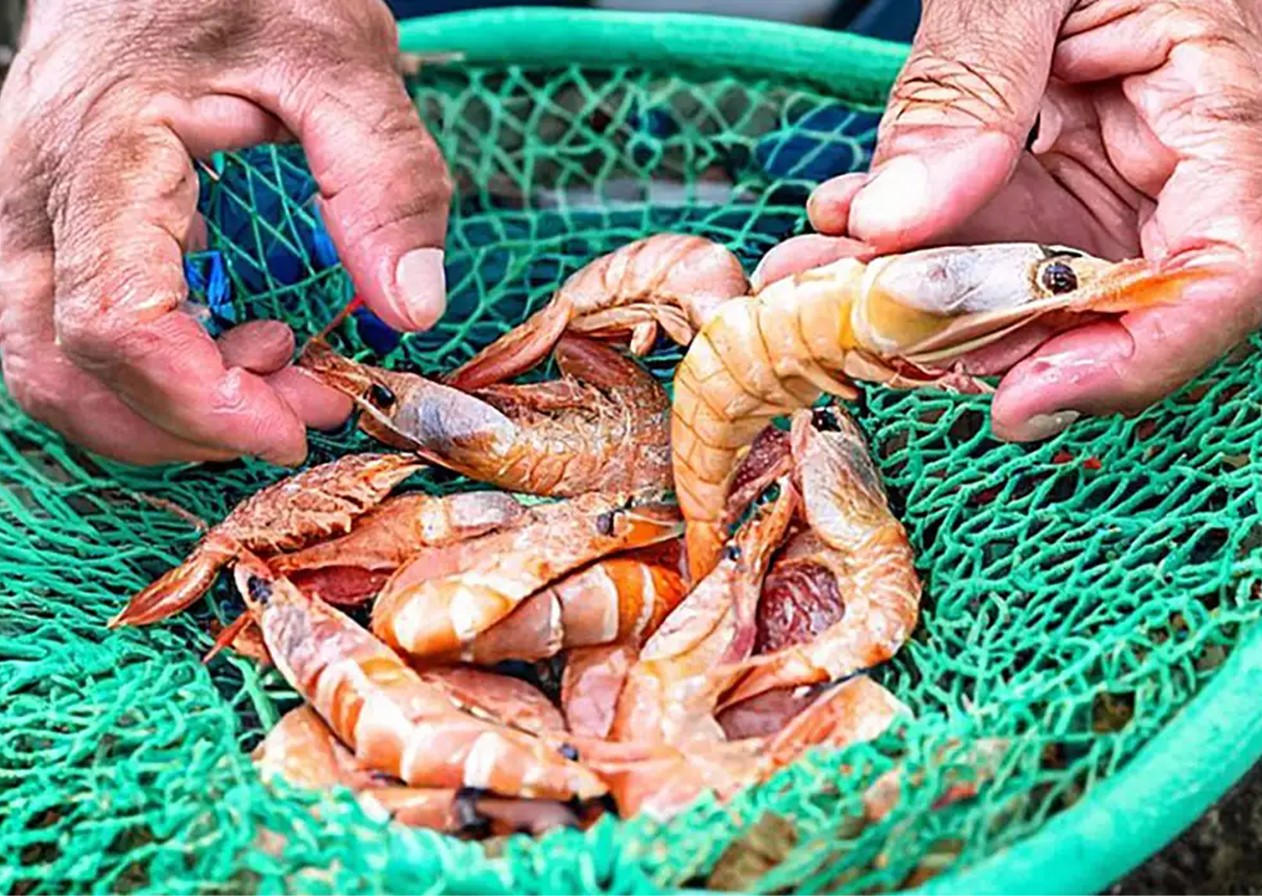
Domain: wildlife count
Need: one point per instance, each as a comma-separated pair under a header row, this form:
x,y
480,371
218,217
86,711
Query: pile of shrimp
x,y
720,574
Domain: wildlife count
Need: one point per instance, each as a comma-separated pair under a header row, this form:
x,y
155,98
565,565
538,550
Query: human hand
x,y
103,109
1148,142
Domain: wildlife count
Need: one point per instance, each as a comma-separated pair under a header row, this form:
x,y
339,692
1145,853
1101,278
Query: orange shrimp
x,y
622,599
844,595
302,508
393,721
668,280
894,319
667,695
304,752
443,598
603,426
351,569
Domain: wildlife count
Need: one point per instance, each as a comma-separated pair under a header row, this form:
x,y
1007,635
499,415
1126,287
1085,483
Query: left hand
x,y
1149,142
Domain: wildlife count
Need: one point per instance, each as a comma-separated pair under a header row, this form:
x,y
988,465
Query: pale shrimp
x,y
619,599
438,602
603,426
392,720
303,751
844,594
591,684
661,779
894,319
352,568
316,503
669,280
501,698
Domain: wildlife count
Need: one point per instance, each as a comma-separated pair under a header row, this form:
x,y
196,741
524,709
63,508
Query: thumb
x,y
384,189
958,118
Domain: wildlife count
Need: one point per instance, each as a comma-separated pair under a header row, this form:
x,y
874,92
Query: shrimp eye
x,y
825,420
569,751
465,809
381,396
604,523
1058,278
732,552
260,590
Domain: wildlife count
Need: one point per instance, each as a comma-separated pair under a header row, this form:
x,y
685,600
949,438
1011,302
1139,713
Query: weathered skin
x,y
603,426
668,280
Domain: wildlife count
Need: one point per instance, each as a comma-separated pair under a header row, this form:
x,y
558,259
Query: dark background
x,y
1221,853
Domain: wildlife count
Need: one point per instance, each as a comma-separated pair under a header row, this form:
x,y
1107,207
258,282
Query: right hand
x,y
103,111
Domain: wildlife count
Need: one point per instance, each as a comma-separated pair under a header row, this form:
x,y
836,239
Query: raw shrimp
x,y
392,720
661,779
894,319
669,280
501,698
442,598
844,595
304,752
621,599
603,426
668,694
302,508
593,679
351,569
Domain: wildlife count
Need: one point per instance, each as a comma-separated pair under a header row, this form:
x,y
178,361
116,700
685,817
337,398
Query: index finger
x,y
118,221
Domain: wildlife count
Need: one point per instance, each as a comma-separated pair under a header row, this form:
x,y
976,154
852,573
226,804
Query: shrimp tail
x,y
516,351
180,587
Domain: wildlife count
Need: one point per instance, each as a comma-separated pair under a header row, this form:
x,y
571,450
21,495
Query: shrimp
x,y
438,602
508,701
619,599
893,320
661,779
844,594
393,721
302,508
593,679
667,696
603,426
669,280
351,569
303,751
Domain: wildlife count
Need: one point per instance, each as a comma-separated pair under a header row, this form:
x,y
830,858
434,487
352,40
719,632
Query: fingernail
x,y
755,279
420,287
828,206
1044,426
892,201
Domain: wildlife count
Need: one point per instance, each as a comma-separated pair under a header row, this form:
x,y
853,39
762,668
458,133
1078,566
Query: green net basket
x,y
1090,600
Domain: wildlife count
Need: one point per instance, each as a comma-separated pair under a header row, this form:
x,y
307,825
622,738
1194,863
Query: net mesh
x,y
1078,592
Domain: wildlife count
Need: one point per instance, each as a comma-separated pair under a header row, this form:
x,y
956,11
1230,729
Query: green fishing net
x,y
1078,592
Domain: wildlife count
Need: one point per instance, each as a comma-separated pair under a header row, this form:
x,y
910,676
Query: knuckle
x,y
937,88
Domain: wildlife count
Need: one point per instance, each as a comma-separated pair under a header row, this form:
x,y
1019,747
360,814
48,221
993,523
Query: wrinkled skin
x,y
102,109
1149,142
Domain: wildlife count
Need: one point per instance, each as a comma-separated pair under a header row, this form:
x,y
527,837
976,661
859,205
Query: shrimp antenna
x,y
338,319
170,507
